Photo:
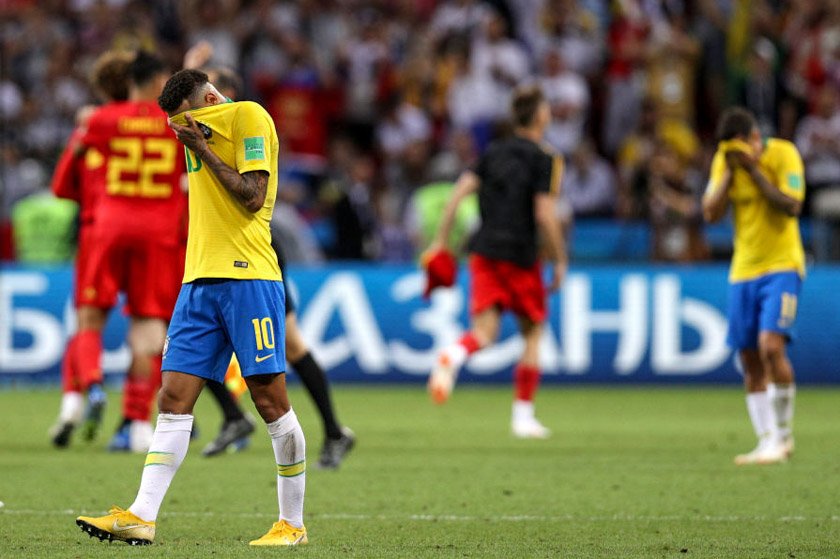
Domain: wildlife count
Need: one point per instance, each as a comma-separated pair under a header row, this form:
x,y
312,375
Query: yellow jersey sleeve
x,y
789,170
716,172
251,134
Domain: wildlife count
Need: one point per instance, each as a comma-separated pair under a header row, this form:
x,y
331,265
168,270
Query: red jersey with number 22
x,y
144,165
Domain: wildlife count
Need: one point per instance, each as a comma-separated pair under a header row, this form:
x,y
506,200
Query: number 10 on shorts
x,y
263,333
788,311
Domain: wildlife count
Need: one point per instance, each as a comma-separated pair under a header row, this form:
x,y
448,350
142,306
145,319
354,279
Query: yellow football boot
x,y
120,525
283,533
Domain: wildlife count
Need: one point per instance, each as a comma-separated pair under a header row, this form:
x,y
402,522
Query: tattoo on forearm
x,y
249,188
776,197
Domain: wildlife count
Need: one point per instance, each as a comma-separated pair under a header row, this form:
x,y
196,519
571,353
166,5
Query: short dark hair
x,y
109,77
734,122
145,67
525,101
180,86
226,80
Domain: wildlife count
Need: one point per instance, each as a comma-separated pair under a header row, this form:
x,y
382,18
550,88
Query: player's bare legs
x,y
760,411
272,402
145,339
296,347
755,380
531,333
178,393
526,379
483,331
772,348
485,326
781,389
269,395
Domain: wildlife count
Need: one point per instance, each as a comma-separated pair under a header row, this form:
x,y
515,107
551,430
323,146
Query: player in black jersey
x,y
518,182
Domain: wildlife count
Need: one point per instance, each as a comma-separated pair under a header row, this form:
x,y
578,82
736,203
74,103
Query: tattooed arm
x,y
249,189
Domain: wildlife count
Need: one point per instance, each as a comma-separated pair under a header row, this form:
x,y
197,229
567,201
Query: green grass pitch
x,y
629,473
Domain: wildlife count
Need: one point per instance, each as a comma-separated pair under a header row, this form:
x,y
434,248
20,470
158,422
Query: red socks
x,y
88,357
70,381
526,380
156,377
140,389
470,343
136,401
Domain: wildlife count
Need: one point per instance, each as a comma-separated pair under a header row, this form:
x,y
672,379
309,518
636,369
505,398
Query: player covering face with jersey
x,y
762,180
231,300
338,439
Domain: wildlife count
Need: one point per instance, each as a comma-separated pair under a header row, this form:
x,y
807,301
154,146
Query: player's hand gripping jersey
x,y
225,239
766,239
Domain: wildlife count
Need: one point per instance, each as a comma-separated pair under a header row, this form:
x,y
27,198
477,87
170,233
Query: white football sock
x,y
72,408
290,454
782,397
456,354
523,410
167,451
761,415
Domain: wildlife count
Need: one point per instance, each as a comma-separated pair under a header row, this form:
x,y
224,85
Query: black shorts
x,y
290,301
281,261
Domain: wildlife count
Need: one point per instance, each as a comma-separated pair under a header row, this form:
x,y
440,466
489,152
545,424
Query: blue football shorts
x,y
764,304
214,318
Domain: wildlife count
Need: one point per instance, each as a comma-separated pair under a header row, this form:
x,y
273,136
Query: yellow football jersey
x,y
766,239
226,240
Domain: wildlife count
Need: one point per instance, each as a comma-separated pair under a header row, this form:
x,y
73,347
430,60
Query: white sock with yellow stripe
x,y
290,454
761,416
167,451
781,398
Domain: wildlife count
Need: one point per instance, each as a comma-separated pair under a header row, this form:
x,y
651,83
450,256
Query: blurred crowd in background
x,y
382,103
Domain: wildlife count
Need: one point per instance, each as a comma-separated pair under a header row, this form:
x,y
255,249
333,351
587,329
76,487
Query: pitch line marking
x,y
457,517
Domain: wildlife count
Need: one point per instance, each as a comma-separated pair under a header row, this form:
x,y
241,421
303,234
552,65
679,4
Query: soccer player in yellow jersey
x,y
231,301
763,181
237,427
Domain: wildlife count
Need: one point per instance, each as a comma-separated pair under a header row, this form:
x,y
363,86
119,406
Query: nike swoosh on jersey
x,y
259,359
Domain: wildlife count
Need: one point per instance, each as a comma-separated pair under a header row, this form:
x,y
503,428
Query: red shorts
x,y
149,272
508,286
82,262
